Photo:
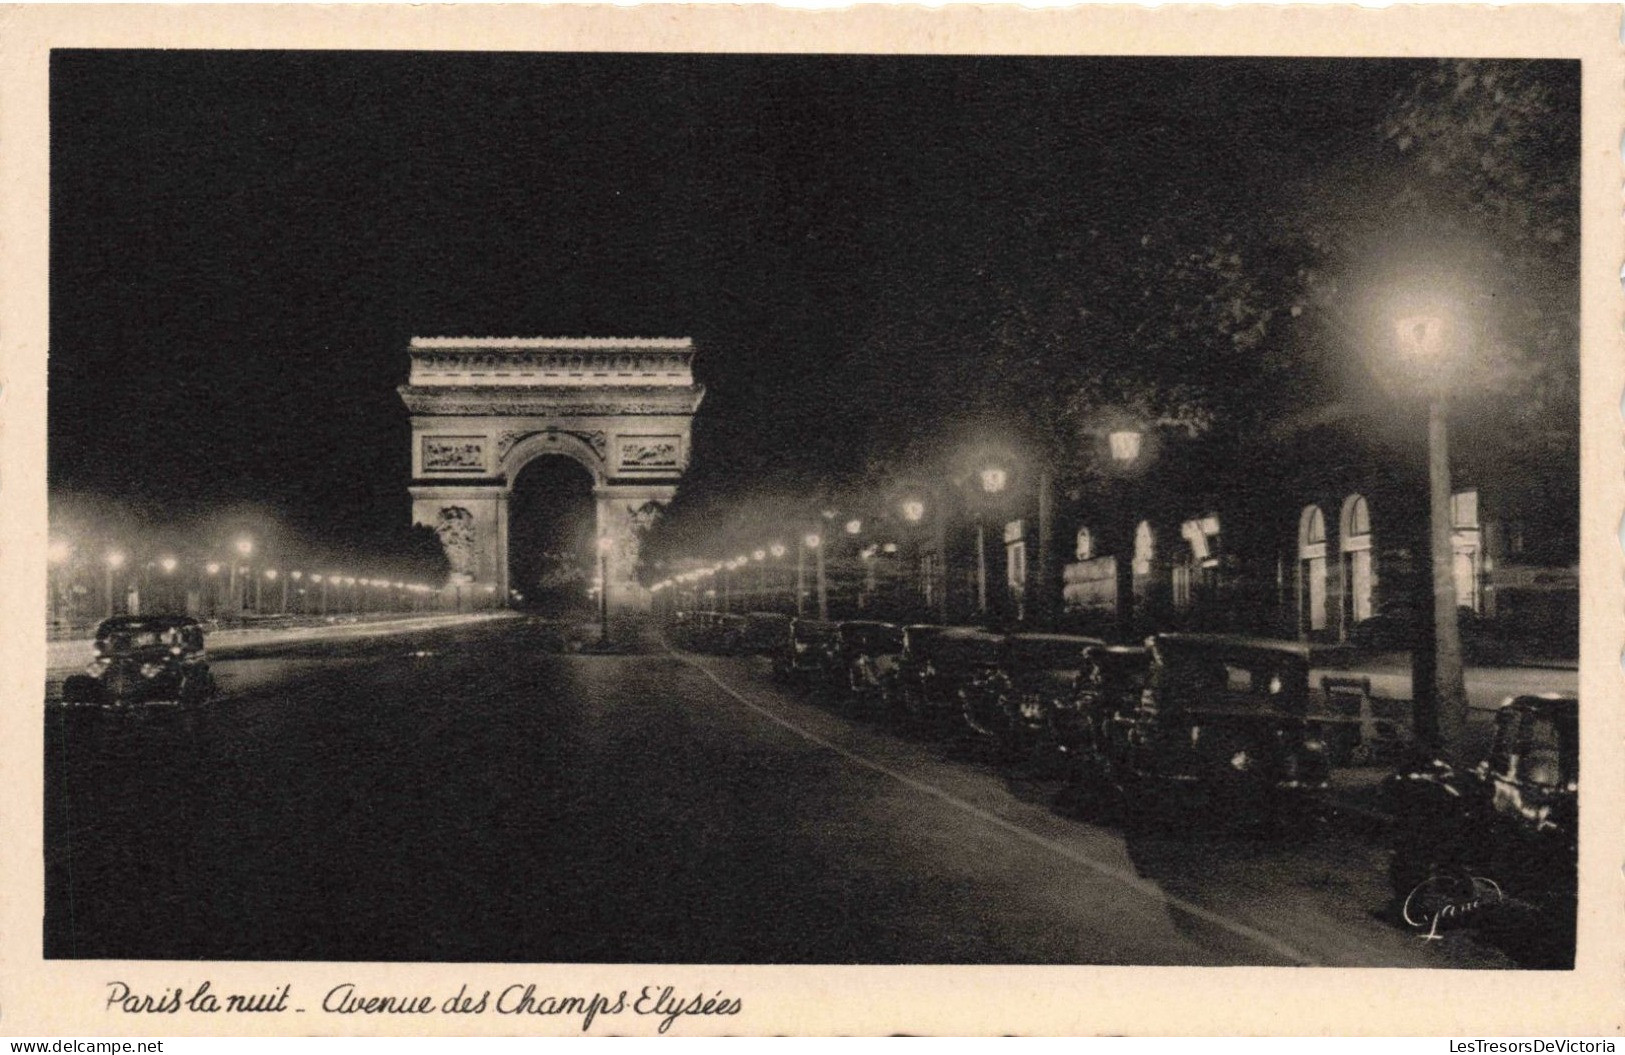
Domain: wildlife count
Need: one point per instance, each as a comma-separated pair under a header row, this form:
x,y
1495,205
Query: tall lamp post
x,y
213,570
245,549
1125,451
991,480
913,508
168,566
115,561
604,545
776,551
58,553
815,542
1425,336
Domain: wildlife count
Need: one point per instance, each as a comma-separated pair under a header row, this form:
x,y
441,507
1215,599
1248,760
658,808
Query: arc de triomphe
x,y
483,407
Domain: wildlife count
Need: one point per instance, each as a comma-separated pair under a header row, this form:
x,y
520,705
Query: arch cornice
x,y
586,449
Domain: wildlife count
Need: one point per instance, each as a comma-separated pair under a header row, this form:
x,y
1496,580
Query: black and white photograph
x,y
614,507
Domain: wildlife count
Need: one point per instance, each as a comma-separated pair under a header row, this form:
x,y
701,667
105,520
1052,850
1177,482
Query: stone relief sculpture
x,y
650,452
594,439
455,529
452,453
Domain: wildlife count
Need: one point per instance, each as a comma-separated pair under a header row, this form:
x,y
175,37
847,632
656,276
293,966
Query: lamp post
x,y
776,551
212,569
1125,443
245,549
815,542
1425,334
913,509
115,561
802,546
168,566
58,554
992,479
604,544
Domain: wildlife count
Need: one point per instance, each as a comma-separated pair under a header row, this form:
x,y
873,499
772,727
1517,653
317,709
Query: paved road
x,y
466,794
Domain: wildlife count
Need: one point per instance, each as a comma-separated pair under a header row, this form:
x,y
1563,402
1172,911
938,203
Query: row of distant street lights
x,y
986,479
291,589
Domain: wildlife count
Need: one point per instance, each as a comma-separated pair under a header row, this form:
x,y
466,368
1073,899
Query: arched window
x,y
1145,548
1311,570
1359,576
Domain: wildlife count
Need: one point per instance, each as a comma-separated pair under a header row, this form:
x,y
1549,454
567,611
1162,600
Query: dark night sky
x,y
243,242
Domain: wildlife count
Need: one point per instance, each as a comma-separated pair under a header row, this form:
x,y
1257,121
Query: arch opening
x,y
552,522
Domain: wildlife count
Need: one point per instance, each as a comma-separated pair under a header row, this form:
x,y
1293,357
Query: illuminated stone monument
x,y
483,407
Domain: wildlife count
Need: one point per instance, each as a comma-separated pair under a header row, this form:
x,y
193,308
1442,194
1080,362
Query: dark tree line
x,y
1254,313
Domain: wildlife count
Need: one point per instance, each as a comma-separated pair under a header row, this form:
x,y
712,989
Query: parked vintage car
x,y
1033,674
725,634
935,664
905,688
1221,719
805,651
680,628
763,633
139,659
1108,688
863,658
1500,834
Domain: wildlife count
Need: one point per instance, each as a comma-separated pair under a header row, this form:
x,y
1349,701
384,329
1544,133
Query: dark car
x,y
1034,674
806,650
1221,718
936,664
905,689
1500,834
679,627
141,659
763,633
1108,689
724,635
863,658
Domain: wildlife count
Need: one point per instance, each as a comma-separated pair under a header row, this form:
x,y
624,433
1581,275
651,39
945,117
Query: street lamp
x,y
1124,445
58,554
815,542
1126,452
115,561
604,546
245,549
1425,332
992,477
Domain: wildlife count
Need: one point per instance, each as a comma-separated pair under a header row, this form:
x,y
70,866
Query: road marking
x,y
1127,879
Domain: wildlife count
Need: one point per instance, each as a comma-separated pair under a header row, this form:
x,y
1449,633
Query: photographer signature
x,y
1441,900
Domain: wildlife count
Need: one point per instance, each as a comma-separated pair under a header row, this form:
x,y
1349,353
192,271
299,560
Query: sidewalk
x,y
1355,791
1487,687
67,656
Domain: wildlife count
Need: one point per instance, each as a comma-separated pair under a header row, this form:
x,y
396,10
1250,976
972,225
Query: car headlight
x,y
150,670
